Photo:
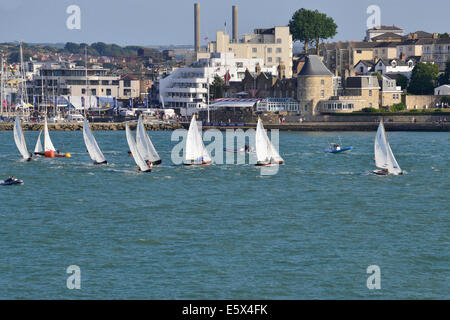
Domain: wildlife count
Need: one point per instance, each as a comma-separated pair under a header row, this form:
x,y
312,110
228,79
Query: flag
x,y
146,102
227,78
205,38
131,102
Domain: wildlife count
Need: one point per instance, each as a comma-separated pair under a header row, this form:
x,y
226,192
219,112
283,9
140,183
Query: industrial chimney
x,y
197,27
235,24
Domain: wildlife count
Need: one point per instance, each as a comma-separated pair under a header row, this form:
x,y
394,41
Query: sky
x,y
166,22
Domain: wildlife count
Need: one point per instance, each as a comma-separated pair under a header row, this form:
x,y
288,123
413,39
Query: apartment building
x,y
437,51
273,46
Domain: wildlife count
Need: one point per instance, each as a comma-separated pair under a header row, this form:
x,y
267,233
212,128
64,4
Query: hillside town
x,y
232,78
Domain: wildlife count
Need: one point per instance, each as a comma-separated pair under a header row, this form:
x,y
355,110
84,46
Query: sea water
x,y
226,231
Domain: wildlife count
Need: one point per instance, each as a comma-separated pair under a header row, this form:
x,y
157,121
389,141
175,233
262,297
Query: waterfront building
x,y
188,87
443,90
69,80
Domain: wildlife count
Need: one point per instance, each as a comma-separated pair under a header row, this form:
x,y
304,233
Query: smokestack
x,y
197,27
235,24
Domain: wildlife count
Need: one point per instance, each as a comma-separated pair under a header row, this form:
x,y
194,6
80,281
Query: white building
x,y
188,87
395,66
443,90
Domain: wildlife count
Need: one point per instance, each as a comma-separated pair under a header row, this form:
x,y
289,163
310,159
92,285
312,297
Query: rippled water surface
x,y
225,231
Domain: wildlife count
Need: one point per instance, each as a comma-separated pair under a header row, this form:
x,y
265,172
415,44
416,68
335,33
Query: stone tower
x,y
315,83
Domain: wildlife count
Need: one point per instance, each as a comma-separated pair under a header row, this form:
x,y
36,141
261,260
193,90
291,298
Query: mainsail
x,y
384,157
91,144
48,145
144,144
265,151
38,148
19,139
133,148
195,149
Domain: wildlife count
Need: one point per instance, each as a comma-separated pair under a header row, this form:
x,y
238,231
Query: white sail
x,y
19,139
48,145
195,149
144,144
91,144
265,151
384,157
393,166
133,148
38,148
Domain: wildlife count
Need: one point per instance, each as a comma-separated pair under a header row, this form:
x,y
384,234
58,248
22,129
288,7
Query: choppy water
x,y
223,232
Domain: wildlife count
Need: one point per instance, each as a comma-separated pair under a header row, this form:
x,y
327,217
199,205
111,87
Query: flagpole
x,y
207,106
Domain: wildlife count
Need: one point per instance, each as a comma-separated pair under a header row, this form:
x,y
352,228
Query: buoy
x,y
68,155
49,154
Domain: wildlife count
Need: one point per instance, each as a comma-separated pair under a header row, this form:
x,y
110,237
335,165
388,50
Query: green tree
x,y
217,87
445,77
308,25
72,47
423,78
444,35
402,81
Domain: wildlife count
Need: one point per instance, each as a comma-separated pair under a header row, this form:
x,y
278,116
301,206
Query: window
x,y
358,51
370,93
278,40
83,91
306,107
230,49
322,93
108,92
254,50
269,50
278,59
322,82
269,59
278,50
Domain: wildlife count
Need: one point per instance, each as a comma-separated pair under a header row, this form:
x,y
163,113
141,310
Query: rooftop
x,y
314,67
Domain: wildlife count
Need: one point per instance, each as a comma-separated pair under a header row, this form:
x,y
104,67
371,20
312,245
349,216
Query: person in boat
x,y
246,148
149,164
31,156
10,179
336,147
383,171
129,153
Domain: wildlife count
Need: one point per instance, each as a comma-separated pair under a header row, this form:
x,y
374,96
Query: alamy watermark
x,y
73,22
374,19
232,147
374,280
74,280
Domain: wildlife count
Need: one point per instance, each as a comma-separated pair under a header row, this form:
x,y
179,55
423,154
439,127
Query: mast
x,y
1,88
87,82
207,95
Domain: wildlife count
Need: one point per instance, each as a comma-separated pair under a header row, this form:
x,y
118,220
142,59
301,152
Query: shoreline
x,y
304,126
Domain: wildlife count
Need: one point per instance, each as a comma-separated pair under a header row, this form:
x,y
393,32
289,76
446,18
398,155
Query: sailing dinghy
x,y
38,149
19,139
49,149
384,157
266,154
145,145
91,145
196,153
142,164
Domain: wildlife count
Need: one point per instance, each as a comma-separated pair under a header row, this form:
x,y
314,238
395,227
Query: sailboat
x,y
49,149
143,166
145,145
91,145
38,149
19,139
266,154
384,157
196,153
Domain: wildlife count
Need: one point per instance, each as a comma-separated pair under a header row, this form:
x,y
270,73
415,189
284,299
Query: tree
x,y
72,47
444,35
217,87
423,78
402,81
308,25
445,77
